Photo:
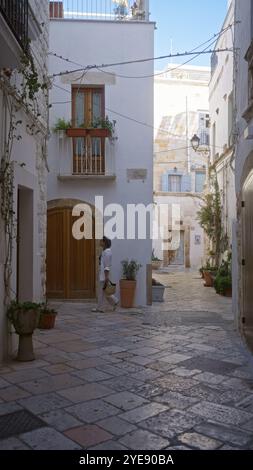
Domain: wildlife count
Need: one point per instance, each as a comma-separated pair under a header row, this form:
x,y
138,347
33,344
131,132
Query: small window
x,y
200,179
175,183
88,104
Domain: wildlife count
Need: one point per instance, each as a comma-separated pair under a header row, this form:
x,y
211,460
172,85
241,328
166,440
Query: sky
x,y
185,24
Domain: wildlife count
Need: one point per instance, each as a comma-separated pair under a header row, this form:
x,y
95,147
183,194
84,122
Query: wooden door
x,y
177,259
70,262
248,259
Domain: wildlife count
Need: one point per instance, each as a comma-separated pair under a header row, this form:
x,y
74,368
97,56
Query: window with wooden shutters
x,y
88,106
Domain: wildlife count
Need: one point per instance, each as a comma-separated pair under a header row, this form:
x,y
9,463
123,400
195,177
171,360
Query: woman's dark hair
x,y
107,242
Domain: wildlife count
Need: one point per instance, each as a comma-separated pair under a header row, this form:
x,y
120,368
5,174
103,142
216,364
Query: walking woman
x,y
105,264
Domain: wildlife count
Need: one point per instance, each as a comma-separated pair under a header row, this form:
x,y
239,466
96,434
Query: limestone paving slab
x,y
51,383
144,440
60,420
143,412
89,435
48,439
224,433
199,441
125,400
92,411
220,413
117,426
43,403
85,392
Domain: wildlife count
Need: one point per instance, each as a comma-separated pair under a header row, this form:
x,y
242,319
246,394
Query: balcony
x,y
89,156
100,10
15,14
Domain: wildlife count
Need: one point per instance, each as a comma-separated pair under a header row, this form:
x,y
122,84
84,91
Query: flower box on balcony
x,y
76,132
92,132
98,132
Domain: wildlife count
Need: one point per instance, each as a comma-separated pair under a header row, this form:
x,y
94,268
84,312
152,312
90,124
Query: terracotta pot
x,y
127,293
228,292
156,265
47,321
209,282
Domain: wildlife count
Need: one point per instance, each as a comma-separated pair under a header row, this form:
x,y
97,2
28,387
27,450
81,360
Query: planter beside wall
x,y
127,293
25,322
209,277
156,265
158,293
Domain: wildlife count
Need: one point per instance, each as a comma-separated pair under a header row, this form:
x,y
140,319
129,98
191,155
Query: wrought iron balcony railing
x,y
123,10
15,13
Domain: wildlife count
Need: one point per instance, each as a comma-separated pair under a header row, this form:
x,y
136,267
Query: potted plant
x,y
209,273
61,126
102,127
24,317
223,280
128,283
47,317
156,262
157,291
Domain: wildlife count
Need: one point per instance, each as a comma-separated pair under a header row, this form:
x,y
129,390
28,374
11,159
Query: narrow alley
x,y
171,376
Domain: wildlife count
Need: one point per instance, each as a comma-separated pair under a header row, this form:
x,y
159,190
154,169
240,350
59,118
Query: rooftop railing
x,y
15,13
112,10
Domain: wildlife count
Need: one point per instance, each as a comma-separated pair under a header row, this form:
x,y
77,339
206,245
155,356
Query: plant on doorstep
x,y
25,318
47,317
128,283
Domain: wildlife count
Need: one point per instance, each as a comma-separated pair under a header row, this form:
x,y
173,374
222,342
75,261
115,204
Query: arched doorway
x,y
247,251
71,272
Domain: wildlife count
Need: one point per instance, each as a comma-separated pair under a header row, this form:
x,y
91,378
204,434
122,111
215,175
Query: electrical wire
x,y
213,40
102,66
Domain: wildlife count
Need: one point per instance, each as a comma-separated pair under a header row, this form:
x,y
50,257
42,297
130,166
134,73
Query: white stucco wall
x,y
29,174
97,42
243,38
221,92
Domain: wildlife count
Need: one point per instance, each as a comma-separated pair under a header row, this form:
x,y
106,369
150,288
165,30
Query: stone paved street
x,y
174,376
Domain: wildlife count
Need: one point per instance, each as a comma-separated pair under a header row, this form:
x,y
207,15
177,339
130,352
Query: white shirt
x,y
105,263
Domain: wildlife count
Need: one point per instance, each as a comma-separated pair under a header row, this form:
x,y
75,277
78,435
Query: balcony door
x,y
88,107
70,262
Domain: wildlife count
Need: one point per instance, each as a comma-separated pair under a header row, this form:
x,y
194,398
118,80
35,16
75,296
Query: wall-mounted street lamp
x,y
204,150
195,142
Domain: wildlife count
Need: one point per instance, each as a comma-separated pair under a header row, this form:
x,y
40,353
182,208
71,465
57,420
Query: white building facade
x,y
181,110
243,242
85,165
23,142
222,121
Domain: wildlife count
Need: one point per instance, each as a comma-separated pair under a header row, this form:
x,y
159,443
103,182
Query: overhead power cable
x,y
215,36
138,61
